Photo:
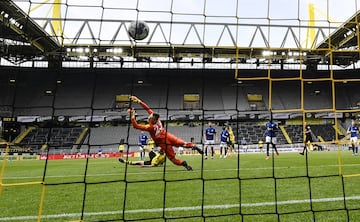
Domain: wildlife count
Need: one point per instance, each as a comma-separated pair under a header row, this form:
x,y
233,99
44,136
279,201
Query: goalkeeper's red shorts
x,y
168,141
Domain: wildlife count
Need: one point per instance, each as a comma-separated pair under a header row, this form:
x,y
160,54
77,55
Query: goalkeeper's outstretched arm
x,y
144,105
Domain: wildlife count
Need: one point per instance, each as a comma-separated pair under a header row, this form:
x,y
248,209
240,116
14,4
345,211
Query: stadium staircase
x,y
286,135
320,138
14,146
81,138
23,135
340,131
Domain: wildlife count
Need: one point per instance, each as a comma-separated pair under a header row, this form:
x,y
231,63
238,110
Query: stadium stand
x,y
347,95
76,96
254,131
31,97
283,98
58,138
295,132
325,131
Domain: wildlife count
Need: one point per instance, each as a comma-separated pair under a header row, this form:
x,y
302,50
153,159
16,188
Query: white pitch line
x,y
172,209
161,172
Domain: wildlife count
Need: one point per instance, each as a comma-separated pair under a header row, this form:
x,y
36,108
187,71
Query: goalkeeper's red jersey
x,y
156,130
158,133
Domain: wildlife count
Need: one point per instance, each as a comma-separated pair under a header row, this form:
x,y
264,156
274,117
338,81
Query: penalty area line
x,y
173,209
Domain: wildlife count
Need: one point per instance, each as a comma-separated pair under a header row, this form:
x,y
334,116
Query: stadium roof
x,y
344,41
23,39
17,26
344,37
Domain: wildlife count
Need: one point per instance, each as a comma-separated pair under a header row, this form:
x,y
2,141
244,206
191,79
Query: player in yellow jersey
x,y
151,143
261,145
231,142
156,159
121,147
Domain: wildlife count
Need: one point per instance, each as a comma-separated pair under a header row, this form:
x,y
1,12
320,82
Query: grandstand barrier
x,y
84,156
20,157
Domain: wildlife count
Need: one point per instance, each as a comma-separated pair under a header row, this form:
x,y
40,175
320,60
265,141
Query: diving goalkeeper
x,y
163,139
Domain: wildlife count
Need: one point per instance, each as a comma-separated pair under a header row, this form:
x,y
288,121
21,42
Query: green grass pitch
x,y
239,188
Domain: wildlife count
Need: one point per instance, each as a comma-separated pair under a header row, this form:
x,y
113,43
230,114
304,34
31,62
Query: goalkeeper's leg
x,y
193,147
180,163
171,156
175,141
187,166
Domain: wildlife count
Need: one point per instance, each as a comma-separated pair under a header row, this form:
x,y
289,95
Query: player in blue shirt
x,y
210,137
224,140
353,130
270,137
143,142
100,150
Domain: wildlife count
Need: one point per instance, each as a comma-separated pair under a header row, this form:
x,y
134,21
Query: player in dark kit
x,y
308,138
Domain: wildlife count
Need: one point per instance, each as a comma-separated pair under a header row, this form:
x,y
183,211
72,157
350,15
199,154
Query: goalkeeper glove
x,y
135,99
132,113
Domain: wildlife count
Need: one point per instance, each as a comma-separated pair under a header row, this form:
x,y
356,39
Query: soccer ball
x,y
138,30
